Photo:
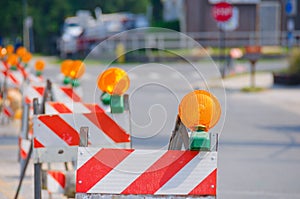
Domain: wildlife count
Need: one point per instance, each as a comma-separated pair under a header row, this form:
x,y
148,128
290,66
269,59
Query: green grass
x,y
252,89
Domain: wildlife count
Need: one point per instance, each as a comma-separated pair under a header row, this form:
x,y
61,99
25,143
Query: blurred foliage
x,y
48,17
11,19
294,62
157,12
173,25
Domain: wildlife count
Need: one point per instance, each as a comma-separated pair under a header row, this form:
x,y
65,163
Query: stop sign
x,y
222,11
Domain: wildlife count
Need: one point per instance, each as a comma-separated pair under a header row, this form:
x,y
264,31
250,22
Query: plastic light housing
x,y
199,109
114,81
39,65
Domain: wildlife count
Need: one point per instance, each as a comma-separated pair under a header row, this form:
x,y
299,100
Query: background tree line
x,y
48,17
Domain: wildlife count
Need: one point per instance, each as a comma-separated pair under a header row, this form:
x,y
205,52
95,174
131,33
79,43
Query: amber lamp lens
x,y
39,65
199,108
27,57
12,59
10,49
66,67
114,81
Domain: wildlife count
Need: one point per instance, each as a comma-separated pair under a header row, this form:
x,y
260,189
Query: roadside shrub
x,y
294,62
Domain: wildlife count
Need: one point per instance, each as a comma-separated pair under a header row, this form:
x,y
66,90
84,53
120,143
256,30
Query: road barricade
x,y
113,172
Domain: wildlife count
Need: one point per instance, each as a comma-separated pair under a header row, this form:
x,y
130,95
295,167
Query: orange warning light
x,y
26,57
12,59
77,69
199,108
3,52
114,81
39,65
66,67
21,51
10,49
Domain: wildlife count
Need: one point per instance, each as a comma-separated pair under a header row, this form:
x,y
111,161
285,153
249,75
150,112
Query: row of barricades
x,y
97,144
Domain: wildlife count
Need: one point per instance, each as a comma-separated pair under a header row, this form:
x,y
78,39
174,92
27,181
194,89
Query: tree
x,y
11,16
48,17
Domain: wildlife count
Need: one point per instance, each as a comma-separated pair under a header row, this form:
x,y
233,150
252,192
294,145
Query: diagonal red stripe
x,y
13,78
108,126
39,89
8,112
70,92
22,69
60,107
23,154
208,186
27,100
160,172
61,128
59,177
97,167
37,144
5,65
94,107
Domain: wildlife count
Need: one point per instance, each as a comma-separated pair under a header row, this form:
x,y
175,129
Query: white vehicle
x,y
83,31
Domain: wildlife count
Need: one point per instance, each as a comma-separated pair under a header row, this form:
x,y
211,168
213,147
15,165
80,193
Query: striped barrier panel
x,y
145,172
13,78
24,145
56,182
56,137
60,93
74,107
7,111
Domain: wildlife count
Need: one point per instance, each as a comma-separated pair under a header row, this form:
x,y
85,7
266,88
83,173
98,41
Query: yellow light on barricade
x,y
12,60
199,109
77,70
39,67
10,49
114,81
66,67
21,51
3,52
26,57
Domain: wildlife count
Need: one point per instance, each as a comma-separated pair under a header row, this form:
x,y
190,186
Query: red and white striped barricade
x,y
56,182
73,107
14,79
56,137
60,93
7,111
173,173
24,145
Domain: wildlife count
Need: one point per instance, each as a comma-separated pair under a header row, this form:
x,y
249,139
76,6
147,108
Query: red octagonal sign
x,y
222,11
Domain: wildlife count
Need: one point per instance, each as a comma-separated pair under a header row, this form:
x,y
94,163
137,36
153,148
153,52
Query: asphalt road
x,y
259,132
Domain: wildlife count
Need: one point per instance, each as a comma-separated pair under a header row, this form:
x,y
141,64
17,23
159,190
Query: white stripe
x,y
49,110
191,175
59,94
45,135
2,67
84,154
53,186
127,171
25,145
77,107
31,93
96,135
